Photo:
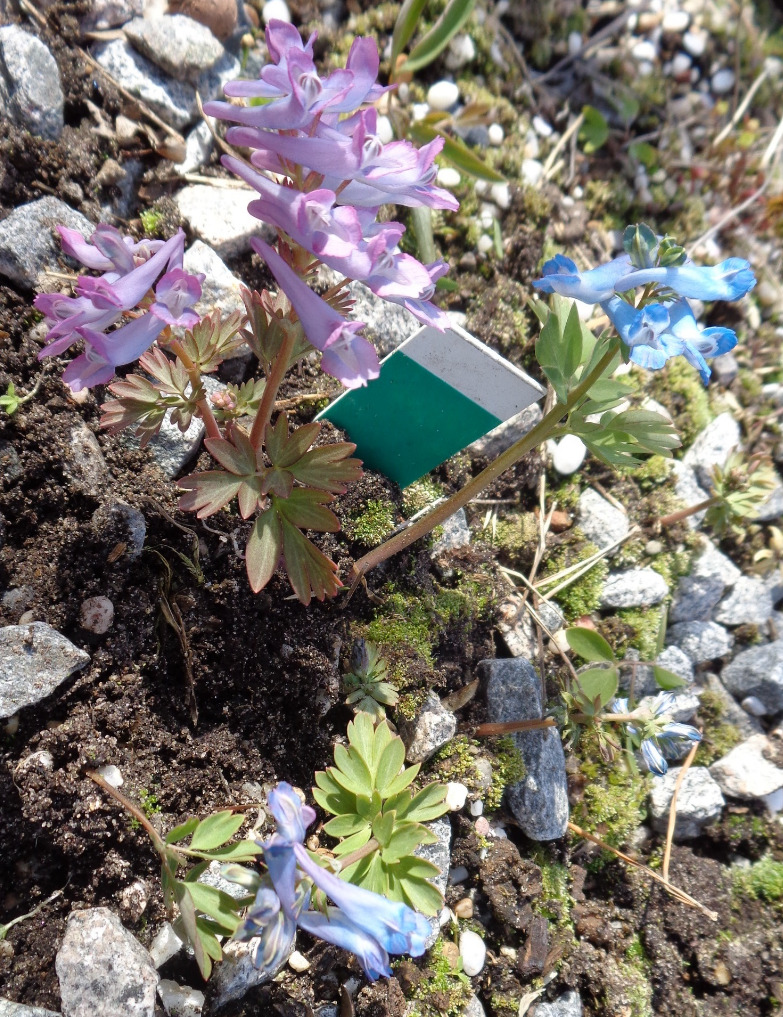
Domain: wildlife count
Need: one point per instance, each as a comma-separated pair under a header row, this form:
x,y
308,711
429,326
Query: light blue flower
x,y
656,735
729,280
365,923
659,331
560,275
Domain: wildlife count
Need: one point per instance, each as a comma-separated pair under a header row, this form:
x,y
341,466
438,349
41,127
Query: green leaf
x,y
382,828
208,933
208,492
457,153
328,467
412,867
215,830
239,851
598,684
351,771
588,644
404,27
310,572
345,826
401,781
361,736
667,679
263,550
644,153
182,831
353,843
389,765
404,841
435,41
594,130
238,457
187,911
428,804
221,907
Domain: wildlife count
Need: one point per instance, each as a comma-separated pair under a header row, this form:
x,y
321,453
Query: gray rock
x,y
504,435
34,660
700,640
567,1005
30,86
725,369
213,877
85,466
712,562
749,603
198,148
103,969
599,521
472,1007
696,598
673,659
713,447
9,1009
10,466
221,288
634,588
730,710
757,671
516,627
177,44
105,14
173,449
173,101
687,489
236,974
699,802
456,534
388,324
746,772
432,728
539,802
29,242
210,83
439,853
118,521
219,216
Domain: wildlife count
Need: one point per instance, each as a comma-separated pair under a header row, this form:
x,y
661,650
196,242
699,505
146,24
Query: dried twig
x,y
667,852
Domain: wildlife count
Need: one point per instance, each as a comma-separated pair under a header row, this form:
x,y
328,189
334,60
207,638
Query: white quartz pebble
x,y
569,454
722,81
276,10
442,95
472,951
496,134
501,195
456,796
448,176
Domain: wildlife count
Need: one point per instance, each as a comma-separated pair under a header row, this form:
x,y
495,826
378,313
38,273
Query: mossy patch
x,y
372,524
613,797
719,737
583,595
762,881
442,990
680,389
556,902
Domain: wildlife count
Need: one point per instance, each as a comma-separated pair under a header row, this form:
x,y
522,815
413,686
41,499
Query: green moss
x,y
456,761
583,595
421,494
508,768
403,620
652,473
719,736
150,220
555,902
370,526
646,624
516,537
672,565
443,990
762,881
612,803
637,989
680,389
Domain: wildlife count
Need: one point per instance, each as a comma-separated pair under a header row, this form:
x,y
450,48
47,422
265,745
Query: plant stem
x,y
504,461
676,517
273,383
213,431
157,841
511,726
359,853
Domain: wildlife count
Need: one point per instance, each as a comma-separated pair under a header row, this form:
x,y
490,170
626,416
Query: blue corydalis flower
x,y
659,331
364,923
657,735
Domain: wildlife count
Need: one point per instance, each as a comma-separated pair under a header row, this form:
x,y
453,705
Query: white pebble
x,y
472,951
420,110
275,10
477,807
445,917
574,43
695,42
498,831
97,615
458,875
481,187
675,21
569,454
180,1000
542,127
485,244
532,171
754,706
298,962
442,95
644,50
681,65
456,796
165,945
448,176
461,51
501,195
532,148
11,726
722,81
496,134
487,215
384,130
110,774
645,68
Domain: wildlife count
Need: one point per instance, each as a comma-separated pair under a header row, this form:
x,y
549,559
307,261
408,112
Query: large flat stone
x,y
34,660
30,243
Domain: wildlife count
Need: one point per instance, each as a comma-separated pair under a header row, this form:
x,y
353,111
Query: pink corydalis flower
x,y
347,356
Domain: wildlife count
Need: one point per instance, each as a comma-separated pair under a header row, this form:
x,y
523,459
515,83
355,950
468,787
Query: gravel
x,y
634,588
713,447
702,641
600,521
746,772
34,660
30,244
177,44
699,802
472,951
749,603
433,727
30,91
758,672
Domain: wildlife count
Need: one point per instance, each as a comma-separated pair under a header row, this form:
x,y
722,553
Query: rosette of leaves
x,y
739,489
379,817
368,689
291,483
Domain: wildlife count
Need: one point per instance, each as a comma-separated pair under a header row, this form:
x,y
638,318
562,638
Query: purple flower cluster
x,y
130,271
363,922
314,134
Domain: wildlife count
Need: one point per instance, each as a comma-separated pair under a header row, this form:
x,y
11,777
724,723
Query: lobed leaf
x,y
310,572
220,906
208,492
